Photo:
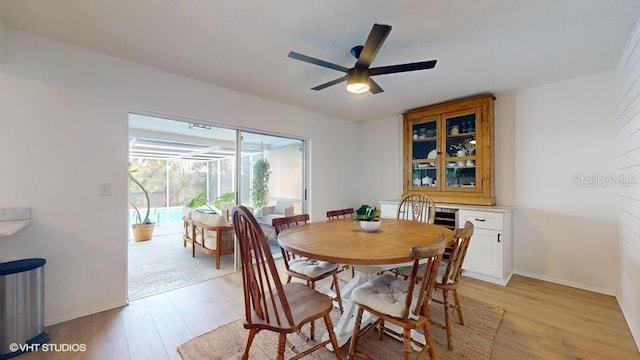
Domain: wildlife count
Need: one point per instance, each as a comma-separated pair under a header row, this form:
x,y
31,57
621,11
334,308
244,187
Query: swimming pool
x,y
165,215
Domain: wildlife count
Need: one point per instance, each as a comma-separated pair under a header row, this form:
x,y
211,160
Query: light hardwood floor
x,y
541,321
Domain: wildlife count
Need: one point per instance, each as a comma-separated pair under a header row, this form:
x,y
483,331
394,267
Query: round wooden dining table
x,y
343,242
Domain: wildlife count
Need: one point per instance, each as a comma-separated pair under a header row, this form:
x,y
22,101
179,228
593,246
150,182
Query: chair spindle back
x,y
417,207
428,256
341,214
462,238
264,296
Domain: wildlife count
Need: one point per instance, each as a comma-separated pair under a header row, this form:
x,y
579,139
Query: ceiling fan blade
x,y
422,65
376,37
315,61
330,83
374,87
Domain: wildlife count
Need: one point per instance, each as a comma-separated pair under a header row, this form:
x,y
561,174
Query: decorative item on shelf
x,y
422,134
415,134
416,177
455,130
453,149
461,153
469,146
427,181
468,127
471,163
433,154
430,133
369,218
453,176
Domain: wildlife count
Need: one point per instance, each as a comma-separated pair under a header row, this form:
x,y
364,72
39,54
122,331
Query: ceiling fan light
x,y
358,87
357,81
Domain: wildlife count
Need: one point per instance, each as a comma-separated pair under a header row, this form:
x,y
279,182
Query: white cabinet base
x,y
489,255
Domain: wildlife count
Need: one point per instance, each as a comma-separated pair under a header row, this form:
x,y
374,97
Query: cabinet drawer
x,y
482,219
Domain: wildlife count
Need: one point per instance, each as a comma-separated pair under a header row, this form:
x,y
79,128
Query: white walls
x,y
64,131
628,166
333,142
380,160
2,42
564,222
57,146
504,109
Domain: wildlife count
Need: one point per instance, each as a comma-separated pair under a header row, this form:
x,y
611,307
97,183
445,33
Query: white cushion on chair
x,y
310,267
385,293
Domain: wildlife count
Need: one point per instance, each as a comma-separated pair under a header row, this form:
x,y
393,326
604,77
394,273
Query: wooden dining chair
x,y
306,269
269,304
449,277
405,303
416,207
348,213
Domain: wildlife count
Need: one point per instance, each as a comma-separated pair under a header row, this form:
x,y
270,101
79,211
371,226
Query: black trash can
x,y
21,306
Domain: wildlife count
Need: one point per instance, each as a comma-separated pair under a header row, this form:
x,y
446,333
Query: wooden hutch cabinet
x,y
449,151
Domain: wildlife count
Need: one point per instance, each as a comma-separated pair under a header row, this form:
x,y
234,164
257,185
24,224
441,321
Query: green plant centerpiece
x,y
369,218
143,228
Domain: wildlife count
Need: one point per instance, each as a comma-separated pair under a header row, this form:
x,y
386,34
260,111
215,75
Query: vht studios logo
x,y
48,347
597,180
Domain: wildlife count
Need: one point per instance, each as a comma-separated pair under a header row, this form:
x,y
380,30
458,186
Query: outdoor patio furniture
x,y
281,209
211,233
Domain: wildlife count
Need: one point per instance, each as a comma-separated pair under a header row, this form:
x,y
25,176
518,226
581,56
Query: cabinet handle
x,y
499,238
481,219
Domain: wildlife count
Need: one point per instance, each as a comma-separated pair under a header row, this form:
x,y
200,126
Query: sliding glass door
x,y
271,176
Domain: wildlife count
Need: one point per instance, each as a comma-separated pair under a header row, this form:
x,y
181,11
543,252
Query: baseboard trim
x,y
566,283
91,311
491,279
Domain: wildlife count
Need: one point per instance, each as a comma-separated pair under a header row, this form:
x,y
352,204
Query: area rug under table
x,y
472,341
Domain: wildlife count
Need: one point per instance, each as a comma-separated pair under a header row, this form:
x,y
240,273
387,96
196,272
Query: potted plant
x,y
143,228
260,185
369,218
224,198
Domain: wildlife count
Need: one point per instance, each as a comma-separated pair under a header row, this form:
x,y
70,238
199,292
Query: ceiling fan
x,y
359,76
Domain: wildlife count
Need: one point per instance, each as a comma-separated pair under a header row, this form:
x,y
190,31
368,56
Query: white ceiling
x,y
481,45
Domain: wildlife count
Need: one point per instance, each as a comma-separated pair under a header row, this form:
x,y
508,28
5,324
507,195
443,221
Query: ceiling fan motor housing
x,y
356,50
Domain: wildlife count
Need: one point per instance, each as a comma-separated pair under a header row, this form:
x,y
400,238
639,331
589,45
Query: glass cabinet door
x,y
424,154
460,159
